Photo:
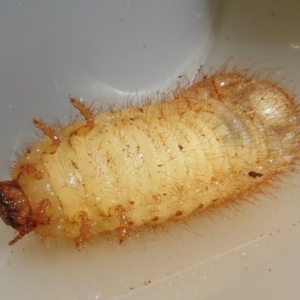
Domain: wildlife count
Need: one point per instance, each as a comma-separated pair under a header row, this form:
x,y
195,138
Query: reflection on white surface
x,y
250,252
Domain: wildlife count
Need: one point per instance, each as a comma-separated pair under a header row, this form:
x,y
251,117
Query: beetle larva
x,y
214,141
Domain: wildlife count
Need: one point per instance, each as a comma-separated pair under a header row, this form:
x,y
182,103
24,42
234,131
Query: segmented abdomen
x,y
217,140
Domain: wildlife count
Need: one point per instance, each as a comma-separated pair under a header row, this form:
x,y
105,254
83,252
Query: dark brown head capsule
x,y
15,209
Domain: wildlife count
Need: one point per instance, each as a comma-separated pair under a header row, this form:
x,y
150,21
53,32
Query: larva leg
x,y
39,216
48,131
85,231
86,113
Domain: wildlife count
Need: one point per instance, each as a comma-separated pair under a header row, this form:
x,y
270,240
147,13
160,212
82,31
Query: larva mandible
x,y
211,142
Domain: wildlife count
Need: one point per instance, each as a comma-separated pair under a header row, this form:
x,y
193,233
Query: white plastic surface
x,y
101,49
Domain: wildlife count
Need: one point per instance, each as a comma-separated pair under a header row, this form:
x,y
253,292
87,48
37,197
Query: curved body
x,y
212,142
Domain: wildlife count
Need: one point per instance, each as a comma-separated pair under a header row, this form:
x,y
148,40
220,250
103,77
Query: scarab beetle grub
x,y
211,142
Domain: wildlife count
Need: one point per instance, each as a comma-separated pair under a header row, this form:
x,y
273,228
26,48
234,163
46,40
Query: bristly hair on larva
x,y
210,143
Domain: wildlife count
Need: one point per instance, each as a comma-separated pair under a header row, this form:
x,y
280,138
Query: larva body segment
x,y
214,141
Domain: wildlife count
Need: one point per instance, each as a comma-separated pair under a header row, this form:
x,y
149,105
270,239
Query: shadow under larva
x,y
209,143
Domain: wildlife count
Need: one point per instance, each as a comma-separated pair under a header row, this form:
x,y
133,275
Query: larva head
x,y
15,210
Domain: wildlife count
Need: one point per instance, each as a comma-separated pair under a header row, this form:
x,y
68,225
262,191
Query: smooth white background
x,y
101,50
